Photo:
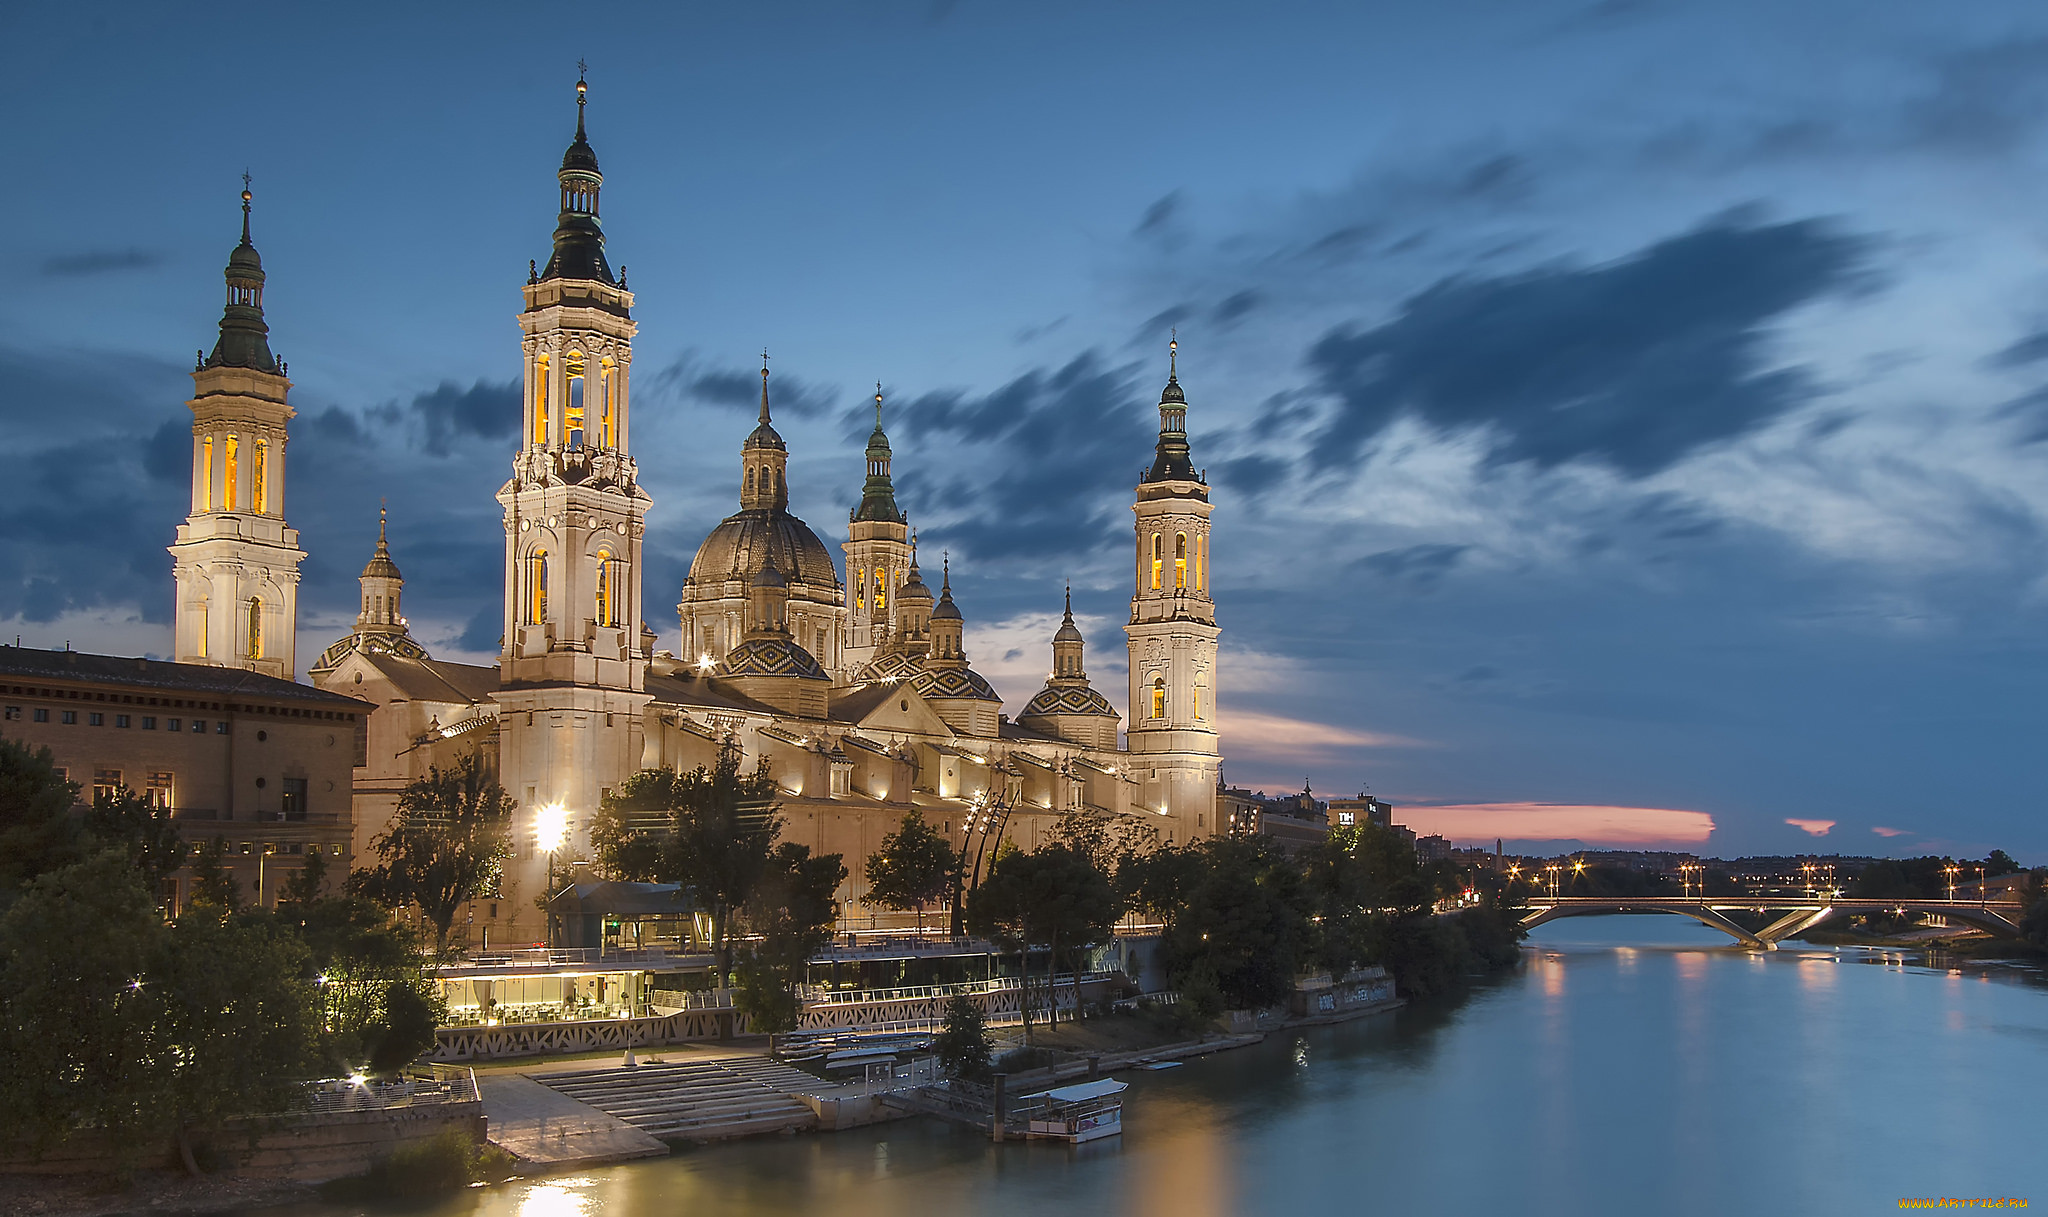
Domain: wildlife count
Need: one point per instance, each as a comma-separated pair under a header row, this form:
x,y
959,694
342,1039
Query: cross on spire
x,y
764,384
1173,354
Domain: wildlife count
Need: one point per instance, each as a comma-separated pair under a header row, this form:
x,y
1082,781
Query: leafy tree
x,y
37,832
1243,923
124,818
915,867
791,910
446,846
303,886
2000,863
377,1006
710,830
1057,892
964,1046
212,885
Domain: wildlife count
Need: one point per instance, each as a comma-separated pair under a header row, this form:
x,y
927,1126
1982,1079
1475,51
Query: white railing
x,y
417,1086
820,995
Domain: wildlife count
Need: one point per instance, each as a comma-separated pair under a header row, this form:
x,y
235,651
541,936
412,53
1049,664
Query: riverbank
x,y
161,1193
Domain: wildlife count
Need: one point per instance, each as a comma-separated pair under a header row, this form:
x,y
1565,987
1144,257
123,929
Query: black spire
x,y
244,338
1172,464
878,496
579,236
764,434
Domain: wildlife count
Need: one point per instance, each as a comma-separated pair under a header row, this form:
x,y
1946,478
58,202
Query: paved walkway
x,y
547,1129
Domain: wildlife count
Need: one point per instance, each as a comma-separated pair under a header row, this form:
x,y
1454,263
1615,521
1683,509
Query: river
x,y
1631,1065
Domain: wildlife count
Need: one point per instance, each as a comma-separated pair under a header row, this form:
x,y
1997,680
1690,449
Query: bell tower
x,y
1172,635
235,560
879,557
574,654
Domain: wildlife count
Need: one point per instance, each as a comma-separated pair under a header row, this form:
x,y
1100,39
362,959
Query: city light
x,y
705,663
550,828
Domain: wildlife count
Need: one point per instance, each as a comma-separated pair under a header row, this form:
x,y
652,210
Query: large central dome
x,y
745,542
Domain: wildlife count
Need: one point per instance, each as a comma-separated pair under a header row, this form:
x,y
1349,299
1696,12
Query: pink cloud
x,y
1592,824
1889,832
1271,735
1812,828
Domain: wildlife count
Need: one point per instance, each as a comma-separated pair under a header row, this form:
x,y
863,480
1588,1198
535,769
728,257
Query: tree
x,y
1056,891
377,1006
125,819
212,886
37,832
302,888
1243,922
710,830
964,1046
446,846
791,911
915,867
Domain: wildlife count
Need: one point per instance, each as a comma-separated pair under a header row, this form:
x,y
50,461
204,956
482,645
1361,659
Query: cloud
x,y
1420,567
1159,215
1593,824
739,389
485,410
1812,828
1255,736
1889,832
99,262
1634,364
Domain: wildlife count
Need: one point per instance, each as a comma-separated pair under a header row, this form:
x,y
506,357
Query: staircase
x,y
740,1096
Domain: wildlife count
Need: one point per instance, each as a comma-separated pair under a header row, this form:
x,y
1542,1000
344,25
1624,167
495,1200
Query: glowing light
x,y
705,663
550,827
358,1079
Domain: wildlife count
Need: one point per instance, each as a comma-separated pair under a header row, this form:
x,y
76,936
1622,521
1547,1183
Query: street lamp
x,y
1951,868
550,833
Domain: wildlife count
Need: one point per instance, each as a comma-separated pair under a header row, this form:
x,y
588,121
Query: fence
x,y
419,1086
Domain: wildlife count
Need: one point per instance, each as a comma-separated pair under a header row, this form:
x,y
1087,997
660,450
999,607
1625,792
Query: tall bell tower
x,y
879,556
235,560
574,654
1172,635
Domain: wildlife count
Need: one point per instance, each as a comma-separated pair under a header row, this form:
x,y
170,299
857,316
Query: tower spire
x,y
1171,461
764,386
244,336
579,235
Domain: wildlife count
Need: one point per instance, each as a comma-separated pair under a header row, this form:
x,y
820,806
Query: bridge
x,y
1795,913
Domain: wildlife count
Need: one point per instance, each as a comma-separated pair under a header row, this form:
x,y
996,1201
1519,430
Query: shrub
x,y
422,1170
964,1046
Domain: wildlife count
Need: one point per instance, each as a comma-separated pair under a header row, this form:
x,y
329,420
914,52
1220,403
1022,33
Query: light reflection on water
x,y
1633,1065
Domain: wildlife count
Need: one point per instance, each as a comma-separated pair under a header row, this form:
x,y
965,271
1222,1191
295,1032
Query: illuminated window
x,y
1201,561
1155,562
540,399
106,783
1180,560
259,478
572,409
157,793
201,615
537,587
608,569
1158,697
227,497
206,475
608,404
255,628
881,588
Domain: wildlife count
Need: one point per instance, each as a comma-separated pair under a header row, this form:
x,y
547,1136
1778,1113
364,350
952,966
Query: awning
x,y
1086,1090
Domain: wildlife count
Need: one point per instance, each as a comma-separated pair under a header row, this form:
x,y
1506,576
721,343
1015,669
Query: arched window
x,y
540,399
1201,561
234,469
1155,561
1158,697
259,478
206,475
537,587
1180,560
750,480
572,407
607,589
608,404
255,628
881,588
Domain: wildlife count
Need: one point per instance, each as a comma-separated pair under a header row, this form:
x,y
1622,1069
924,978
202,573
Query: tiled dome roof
x,y
1081,700
771,657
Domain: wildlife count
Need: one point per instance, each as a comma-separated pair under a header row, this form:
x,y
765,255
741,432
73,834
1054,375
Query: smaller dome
x,y
246,261
957,683
381,566
946,610
893,668
1173,394
580,158
1083,700
771,657
764,436
915,588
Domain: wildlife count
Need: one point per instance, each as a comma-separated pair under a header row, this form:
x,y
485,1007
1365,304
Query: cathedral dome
x,y
957,682
745,543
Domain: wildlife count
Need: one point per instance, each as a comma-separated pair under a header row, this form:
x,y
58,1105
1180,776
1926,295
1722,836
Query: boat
x,y
1088,1111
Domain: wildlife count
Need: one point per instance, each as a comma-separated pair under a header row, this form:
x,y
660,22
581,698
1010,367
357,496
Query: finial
x,y
622,276
1173,355
532,271
913,549
382,514
764,386
582,88
945,570
1070,602
878,405
246,196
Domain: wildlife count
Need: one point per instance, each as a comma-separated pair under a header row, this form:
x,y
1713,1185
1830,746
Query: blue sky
x,y
1610,405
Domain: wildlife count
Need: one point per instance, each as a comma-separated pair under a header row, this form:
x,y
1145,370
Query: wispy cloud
x,y
98,262
1888,832
1601,825
1812,828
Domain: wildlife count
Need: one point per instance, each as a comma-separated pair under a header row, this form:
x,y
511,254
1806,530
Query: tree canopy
x,y
446,845
916,867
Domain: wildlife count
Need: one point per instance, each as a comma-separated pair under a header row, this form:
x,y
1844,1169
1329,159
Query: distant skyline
x,y
1624,417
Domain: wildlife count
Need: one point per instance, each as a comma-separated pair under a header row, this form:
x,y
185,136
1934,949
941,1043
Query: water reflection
x,y
1627,1068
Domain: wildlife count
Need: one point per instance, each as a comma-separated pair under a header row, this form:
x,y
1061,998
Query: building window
x,y
572,409
537,587
219,728
1158,697
1155,562
70,718
294,799
1180,560
174,724
259,478
540,400
234,465
881,592
148,723
95,719
41,715
607,588
608,404
13,712
106,783
255,628
157,793
1201,562
120,720
206,474
199,725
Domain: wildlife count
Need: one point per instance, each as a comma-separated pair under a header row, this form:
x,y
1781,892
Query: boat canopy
x,y
1086,1090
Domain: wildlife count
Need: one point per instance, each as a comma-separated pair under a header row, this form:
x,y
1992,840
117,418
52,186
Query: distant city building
x,y
1365,809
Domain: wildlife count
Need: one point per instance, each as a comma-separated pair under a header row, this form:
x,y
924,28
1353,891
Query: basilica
x,y
847,678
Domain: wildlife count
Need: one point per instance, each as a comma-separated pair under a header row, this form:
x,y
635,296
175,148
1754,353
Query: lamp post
x,y
261,856
550,833
1951,868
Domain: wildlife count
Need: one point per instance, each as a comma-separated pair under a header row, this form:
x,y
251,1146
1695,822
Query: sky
x,y
1627,421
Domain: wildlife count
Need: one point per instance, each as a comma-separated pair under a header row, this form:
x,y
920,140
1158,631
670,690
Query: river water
x,y
1631,1065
